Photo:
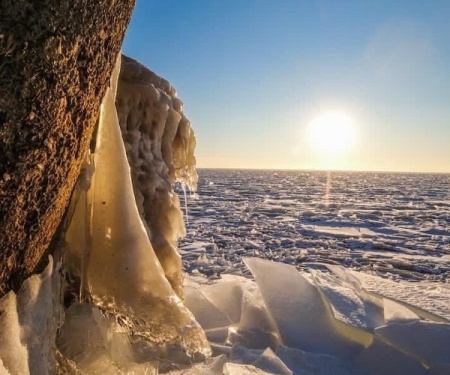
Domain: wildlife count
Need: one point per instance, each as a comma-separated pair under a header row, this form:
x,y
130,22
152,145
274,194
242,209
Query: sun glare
x,y
331,133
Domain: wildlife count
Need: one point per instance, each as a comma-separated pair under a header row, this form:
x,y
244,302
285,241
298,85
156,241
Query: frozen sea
x,y
392,225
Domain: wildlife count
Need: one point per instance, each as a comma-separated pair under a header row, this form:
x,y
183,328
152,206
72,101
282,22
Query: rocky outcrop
x,y
160,150
56,58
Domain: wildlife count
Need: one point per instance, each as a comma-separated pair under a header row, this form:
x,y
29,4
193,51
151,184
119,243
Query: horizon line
x,y
322,170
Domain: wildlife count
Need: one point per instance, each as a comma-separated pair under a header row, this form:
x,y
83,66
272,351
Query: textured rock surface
x,y
56,58
160,149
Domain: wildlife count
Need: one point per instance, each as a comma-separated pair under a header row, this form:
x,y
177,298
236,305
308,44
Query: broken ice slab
x,y
237,369
396,312
265,360
427,342
85,330
212,366
13,353
269,361
28,323
205,312
307,363
381,359
301,315
227,297
347,304
341,231
428,300
232,311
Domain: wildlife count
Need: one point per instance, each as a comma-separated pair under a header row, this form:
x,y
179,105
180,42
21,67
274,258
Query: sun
x,y
331,133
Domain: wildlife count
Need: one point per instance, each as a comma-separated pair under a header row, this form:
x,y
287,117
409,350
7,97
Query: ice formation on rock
x,y
28,323
160,148
115,263
124,306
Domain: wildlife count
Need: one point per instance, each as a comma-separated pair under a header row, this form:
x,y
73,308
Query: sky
x,y
256,76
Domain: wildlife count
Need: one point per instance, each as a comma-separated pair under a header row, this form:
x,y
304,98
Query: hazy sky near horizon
x,y
254,74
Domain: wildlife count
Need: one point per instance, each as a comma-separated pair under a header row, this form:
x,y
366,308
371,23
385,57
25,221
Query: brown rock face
x,y
160,147
56,58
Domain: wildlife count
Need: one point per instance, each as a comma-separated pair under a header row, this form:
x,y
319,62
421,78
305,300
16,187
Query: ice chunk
x,y
232,310
306,363
206,313
85,331
394,311
265,360
381,359
237,369
13,353
269,361
212,366
428,300
28,323
341,231
428,342
347,304
123,274
256,328
227,297
302,317
38,303
121,352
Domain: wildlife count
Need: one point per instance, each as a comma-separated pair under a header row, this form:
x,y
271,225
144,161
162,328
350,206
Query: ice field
x,y
392,225
373,254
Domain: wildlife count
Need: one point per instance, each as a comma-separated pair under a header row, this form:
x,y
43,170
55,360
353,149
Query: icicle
x,y
183,186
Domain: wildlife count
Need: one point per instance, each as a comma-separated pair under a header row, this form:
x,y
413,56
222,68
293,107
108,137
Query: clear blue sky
x,y
253,74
